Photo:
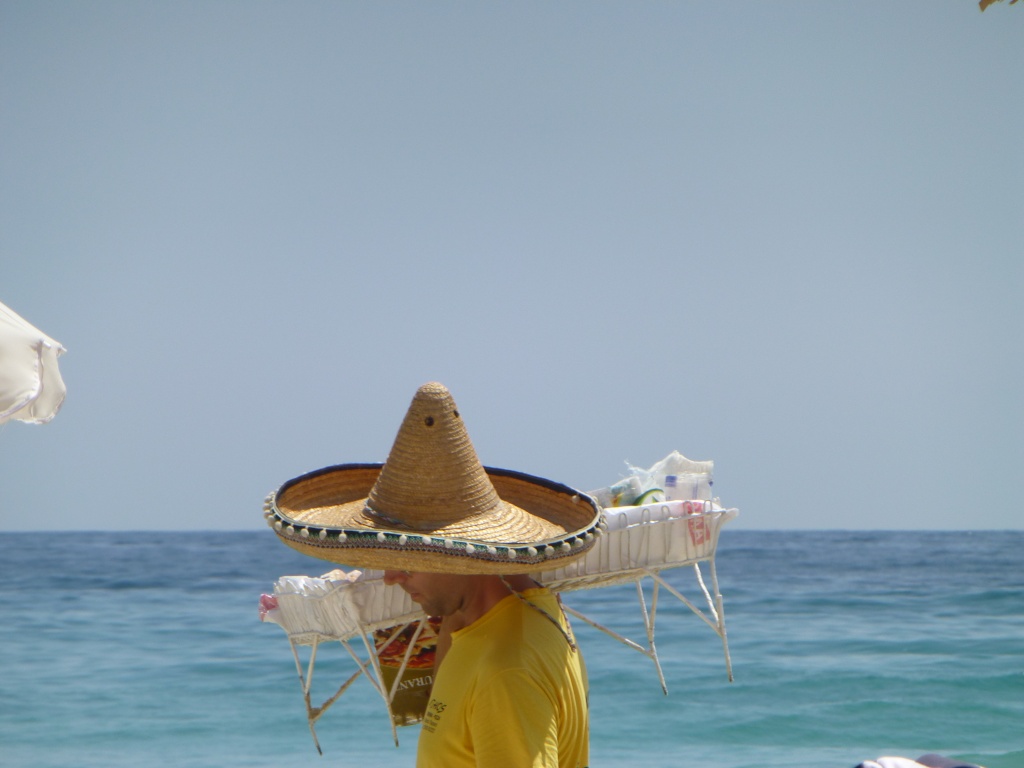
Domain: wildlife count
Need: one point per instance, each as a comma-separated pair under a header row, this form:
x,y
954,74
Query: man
x,y
510,685
513,691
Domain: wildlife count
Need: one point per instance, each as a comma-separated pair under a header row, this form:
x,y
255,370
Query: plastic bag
x,y
673,478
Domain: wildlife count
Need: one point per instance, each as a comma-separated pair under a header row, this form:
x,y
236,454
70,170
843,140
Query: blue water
x,y
145,649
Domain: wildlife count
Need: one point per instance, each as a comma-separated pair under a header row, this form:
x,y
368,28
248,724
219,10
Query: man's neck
x,y
482,594
485,593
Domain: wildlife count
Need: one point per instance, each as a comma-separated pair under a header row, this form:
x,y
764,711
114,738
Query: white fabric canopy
x,y
31,388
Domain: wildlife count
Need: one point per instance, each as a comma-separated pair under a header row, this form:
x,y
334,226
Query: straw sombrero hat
x,y
433,507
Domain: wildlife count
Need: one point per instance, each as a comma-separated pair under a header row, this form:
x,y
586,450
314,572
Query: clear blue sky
x,y
787,237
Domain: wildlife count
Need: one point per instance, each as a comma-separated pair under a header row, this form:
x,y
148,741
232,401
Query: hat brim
x,y
321,515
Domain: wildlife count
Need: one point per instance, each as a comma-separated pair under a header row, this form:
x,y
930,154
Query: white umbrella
x,y
31,389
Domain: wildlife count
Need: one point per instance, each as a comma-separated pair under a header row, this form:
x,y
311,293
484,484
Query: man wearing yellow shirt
x,y
513,688
510,687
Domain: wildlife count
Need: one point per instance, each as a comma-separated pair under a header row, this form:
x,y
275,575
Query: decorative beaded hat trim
x,y
340,538
355,545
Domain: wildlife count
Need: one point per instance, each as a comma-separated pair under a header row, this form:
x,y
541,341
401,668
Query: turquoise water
x,y
140,649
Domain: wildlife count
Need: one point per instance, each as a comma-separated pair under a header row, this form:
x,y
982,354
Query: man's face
x,y
438,594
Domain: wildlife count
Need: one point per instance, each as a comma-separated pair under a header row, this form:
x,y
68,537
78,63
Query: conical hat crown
x,y
432,477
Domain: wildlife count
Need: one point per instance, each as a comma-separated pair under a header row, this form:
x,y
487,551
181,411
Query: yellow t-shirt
x,y
510,693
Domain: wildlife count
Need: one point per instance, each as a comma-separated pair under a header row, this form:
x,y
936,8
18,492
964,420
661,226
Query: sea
x,y
146,649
